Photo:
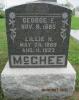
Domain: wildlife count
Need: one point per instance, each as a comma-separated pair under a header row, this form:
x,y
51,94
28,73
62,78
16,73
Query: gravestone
x,y
38,35
38,40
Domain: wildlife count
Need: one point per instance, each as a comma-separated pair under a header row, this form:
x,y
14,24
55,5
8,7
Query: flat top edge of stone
x,y
37,71
40,1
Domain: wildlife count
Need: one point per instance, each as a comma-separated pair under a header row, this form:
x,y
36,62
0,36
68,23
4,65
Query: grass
x,y
73,57
2,25
3,44
73,51
75,22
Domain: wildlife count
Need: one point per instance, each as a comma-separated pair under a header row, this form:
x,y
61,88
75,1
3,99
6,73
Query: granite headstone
x,y
38,39
38,35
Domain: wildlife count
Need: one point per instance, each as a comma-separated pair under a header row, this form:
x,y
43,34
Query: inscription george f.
x,y
38,35
42,22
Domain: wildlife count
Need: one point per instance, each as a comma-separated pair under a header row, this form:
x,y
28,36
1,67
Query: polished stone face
x,y
38,35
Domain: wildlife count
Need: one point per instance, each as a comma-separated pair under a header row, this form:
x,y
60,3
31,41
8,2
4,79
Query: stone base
x,y
38,83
